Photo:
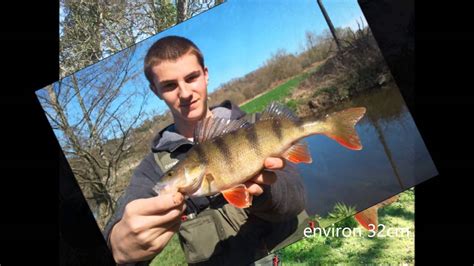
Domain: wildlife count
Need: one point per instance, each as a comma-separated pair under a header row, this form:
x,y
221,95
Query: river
x,y
394,157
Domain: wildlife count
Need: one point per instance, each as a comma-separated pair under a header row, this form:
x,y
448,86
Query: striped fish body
x,y
224,162
236,157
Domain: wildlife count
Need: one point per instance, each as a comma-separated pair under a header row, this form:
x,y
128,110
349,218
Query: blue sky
x,y
238,36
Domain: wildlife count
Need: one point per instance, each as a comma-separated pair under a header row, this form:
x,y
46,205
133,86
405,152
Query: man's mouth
x,y
188,104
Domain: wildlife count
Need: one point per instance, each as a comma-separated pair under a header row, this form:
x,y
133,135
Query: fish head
x,y
193,176
184,177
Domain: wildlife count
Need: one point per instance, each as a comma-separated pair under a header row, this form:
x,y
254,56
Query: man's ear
x,y
155,90
206,74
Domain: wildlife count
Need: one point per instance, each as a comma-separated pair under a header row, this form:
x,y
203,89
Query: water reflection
x,y
393,158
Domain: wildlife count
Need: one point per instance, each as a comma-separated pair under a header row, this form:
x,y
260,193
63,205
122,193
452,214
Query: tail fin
x,y
340,126
368,217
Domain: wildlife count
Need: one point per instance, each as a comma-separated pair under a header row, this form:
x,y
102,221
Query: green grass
x,y
277,94
172,254
340,250
397,249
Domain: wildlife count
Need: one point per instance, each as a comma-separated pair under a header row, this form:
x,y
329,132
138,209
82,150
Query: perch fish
x,y
227,153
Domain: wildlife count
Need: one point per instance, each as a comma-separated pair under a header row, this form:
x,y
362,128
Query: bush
x,y
360,63
326,90
343,214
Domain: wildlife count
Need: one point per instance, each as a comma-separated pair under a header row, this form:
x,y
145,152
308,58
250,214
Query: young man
x,y
211,231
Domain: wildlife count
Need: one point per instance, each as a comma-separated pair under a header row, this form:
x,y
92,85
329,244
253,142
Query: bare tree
x,y
282,65
160,13
181,10
189,8
93,113
92,30
80,36
317,46
311,40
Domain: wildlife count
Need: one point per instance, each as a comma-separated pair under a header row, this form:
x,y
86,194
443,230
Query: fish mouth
x,y
191,189
162,188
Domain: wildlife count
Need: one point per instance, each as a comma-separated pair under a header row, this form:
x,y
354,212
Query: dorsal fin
x,y
210,128
277,110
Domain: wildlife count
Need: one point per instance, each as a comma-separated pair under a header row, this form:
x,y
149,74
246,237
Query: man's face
x,y
182,84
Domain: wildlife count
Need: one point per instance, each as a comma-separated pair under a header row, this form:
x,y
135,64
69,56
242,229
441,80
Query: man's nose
x,y
184,91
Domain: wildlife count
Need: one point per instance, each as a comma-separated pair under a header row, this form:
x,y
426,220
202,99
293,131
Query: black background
x,y
46,221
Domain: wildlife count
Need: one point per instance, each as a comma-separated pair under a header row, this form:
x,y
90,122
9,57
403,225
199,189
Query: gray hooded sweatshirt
x,y
272,215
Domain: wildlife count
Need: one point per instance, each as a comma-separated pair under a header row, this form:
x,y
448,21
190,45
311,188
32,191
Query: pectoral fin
x,y
238,196
298,153
368,217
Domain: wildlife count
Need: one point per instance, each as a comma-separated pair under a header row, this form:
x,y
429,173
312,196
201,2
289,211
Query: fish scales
x,y
238,156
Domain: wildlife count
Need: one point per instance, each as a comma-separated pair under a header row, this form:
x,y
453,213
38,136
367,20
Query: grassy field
x,y
171,255
277,94
321,250
398,248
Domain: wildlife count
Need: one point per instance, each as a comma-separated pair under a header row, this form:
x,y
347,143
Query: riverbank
x,y
393,246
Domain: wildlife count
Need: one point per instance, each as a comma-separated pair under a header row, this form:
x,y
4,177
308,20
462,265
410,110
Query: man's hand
x,y
146,227
265,177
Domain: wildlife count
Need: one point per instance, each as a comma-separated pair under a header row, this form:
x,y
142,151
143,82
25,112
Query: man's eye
x,y
169,86
192,78
170,173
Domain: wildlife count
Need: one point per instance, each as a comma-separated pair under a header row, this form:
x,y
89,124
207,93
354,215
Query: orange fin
x,y
238,196
389,201
298,153
368,217
339,126
343,129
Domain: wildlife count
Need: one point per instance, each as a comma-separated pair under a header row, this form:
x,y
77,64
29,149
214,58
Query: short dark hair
x,y
169,48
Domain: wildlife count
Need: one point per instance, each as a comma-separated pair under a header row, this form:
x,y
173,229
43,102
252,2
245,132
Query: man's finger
x,y
155,205
165,219
156,243
266,177
253,188
156,225
274,163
